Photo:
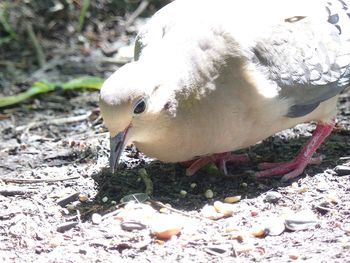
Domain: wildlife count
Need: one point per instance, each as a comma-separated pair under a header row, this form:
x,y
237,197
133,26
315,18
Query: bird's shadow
x,y
172,186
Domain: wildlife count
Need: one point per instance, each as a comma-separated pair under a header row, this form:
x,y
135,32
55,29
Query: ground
x,y
60,203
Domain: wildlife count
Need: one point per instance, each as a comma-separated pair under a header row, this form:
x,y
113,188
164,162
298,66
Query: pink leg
x,y
296,166
219,158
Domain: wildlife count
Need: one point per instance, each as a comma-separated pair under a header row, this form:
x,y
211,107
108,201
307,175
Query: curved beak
x,y
117,144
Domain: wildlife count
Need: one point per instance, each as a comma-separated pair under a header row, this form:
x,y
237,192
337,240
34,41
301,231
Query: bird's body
x,y
221,75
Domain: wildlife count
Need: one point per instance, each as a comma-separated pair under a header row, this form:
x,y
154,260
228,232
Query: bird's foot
x,y
219,158
290,169
295,167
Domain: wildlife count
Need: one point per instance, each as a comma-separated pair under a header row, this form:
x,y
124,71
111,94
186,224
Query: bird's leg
x,y
219,158
296,166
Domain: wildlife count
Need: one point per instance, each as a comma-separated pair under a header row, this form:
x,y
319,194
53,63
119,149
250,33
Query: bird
x,y
210,77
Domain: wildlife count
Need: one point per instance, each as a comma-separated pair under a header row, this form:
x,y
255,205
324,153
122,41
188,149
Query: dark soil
x,y
54,148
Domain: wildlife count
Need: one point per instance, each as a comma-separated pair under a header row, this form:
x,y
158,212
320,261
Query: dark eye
x,y
140,106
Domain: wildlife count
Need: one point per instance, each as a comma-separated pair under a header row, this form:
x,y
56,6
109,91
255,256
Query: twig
x,y
58,121
35,181
142,7
38,50
15,191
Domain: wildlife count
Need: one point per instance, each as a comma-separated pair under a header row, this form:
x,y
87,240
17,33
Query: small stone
x,y
96,218
83,198
113,202
254,213
193,185
183,193
209,194
104,199
272,197
232,199
244,185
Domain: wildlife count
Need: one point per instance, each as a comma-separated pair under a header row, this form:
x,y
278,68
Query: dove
x,y
213,76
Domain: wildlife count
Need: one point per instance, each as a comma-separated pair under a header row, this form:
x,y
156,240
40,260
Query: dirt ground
x,y
60,203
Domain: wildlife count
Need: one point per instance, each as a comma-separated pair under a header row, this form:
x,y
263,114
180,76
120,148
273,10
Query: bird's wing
x,y
309,61
307,57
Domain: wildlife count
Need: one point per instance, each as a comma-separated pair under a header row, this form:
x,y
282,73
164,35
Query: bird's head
x,y
130,101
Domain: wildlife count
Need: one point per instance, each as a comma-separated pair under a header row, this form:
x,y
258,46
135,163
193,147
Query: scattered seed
x,y
96,218
232,199
342,170
272,197
164,210
222,208
215,250
137,197
209,211
333,198
193,185
209,194
258,231
254,213
293,256
239,249
166,233
66,226
183,193
295,185
322,187
83,198
131,226
300,221
274,226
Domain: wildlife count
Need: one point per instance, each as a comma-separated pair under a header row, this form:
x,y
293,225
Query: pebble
x,y
244,185
258,231
104,199
272,197
232,199
96,218
209,194
193,185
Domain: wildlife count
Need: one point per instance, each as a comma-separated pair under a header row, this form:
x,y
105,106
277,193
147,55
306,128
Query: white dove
x,y
214,76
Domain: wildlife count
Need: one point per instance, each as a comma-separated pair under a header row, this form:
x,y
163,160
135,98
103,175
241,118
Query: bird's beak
x,y
116,148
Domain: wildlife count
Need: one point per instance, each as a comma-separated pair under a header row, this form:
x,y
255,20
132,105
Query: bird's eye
x,y
140,106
